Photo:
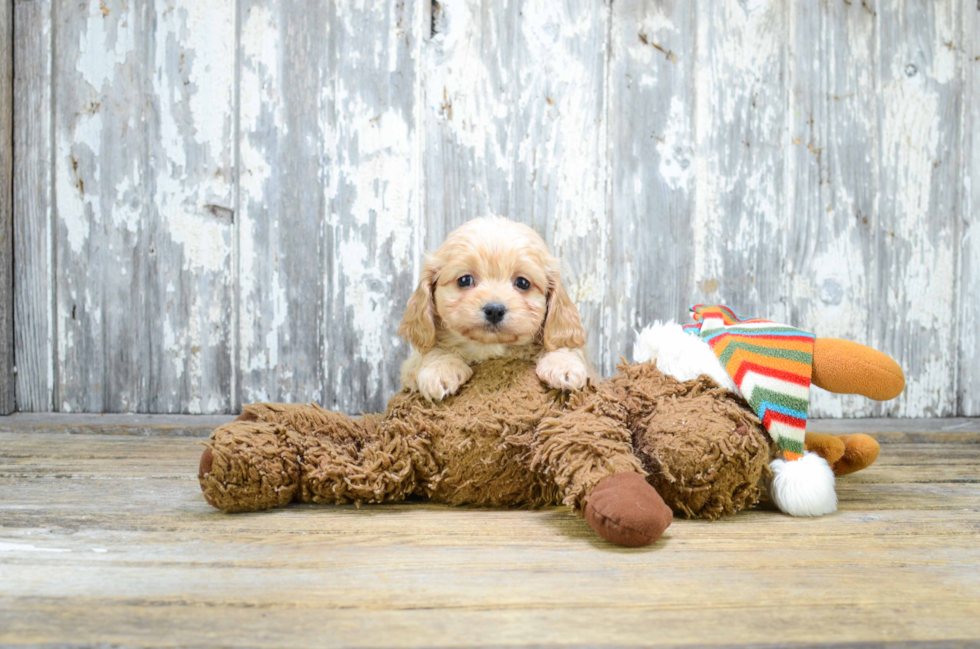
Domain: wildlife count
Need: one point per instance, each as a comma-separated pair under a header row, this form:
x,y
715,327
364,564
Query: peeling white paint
x,y
260,100
107,41
675,159
280,312
655,23
201,35
739,137
925,297
367,306
910,137
518,115
79,205
376,193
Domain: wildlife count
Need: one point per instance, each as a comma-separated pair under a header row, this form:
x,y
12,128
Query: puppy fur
x,y
450,323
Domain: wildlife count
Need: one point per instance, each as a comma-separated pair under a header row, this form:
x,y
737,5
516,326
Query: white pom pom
x,y
803,487
679,354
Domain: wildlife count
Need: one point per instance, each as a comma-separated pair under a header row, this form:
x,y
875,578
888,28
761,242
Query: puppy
x,y
491,290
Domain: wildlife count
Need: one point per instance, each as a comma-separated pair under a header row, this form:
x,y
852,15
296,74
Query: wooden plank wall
x,y
330,232
7,389
225,201
968,212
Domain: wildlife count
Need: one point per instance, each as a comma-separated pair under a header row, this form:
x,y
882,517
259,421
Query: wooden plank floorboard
x,y
106,539
953,429
112,424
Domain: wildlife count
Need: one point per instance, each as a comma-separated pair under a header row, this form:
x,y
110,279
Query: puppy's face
x,y
492,281
493,288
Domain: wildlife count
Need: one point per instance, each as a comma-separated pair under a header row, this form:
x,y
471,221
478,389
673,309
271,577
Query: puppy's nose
x,y
494,312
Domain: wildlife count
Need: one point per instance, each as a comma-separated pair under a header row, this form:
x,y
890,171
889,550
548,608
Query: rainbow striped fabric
x,y
770,363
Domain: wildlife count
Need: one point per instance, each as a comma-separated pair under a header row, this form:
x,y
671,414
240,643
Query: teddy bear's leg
x,y
705,467
703,450
366,460
250,465
589,451
276,453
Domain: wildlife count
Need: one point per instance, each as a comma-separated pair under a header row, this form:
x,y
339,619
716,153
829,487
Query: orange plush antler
x,y
846,367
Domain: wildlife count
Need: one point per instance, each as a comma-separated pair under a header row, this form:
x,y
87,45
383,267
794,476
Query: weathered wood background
x,y
7,386
223,201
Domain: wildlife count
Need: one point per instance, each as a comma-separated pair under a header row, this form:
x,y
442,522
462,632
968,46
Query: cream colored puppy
x,y
491,290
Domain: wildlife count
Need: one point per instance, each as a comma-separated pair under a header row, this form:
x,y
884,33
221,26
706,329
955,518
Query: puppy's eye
x,y
465,281
522,284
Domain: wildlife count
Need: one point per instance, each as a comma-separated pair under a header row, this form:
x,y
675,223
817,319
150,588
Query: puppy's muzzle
x,y
494,312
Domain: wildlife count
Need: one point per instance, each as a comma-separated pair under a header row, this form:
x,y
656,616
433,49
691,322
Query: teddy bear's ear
x,y
562,326
418,324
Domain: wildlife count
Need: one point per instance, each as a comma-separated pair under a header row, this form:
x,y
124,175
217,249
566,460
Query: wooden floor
x,y
105,538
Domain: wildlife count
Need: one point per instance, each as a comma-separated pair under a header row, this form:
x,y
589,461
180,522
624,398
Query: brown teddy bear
x,y
624,453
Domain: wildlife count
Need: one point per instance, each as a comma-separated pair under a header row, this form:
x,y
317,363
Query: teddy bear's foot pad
x,y
624,509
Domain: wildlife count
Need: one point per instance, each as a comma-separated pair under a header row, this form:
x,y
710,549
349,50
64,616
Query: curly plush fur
x,y
505,439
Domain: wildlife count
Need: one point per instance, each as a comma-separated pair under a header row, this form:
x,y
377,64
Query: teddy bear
x,y
625,453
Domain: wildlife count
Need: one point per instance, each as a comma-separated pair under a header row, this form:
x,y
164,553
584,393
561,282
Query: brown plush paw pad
x,y
624,509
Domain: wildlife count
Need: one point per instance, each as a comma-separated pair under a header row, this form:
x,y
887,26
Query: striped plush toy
x,y
769,363
771,366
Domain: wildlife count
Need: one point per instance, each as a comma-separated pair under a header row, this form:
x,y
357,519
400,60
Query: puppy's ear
x,y
419,324
562,327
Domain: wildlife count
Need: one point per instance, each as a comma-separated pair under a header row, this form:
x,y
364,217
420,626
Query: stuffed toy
x,y
625,453
772,366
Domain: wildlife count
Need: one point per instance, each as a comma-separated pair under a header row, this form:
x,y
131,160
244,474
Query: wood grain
x,y
281,272
373,197
106,538
186,231
652,117
220,202
7,377
143,161
740,247
121,424
833,146
515,125
968,214
34,285
99,197
331,203
919,112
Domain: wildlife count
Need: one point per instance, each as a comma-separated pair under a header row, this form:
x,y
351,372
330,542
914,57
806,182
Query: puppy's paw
x,y
441,378
563,370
